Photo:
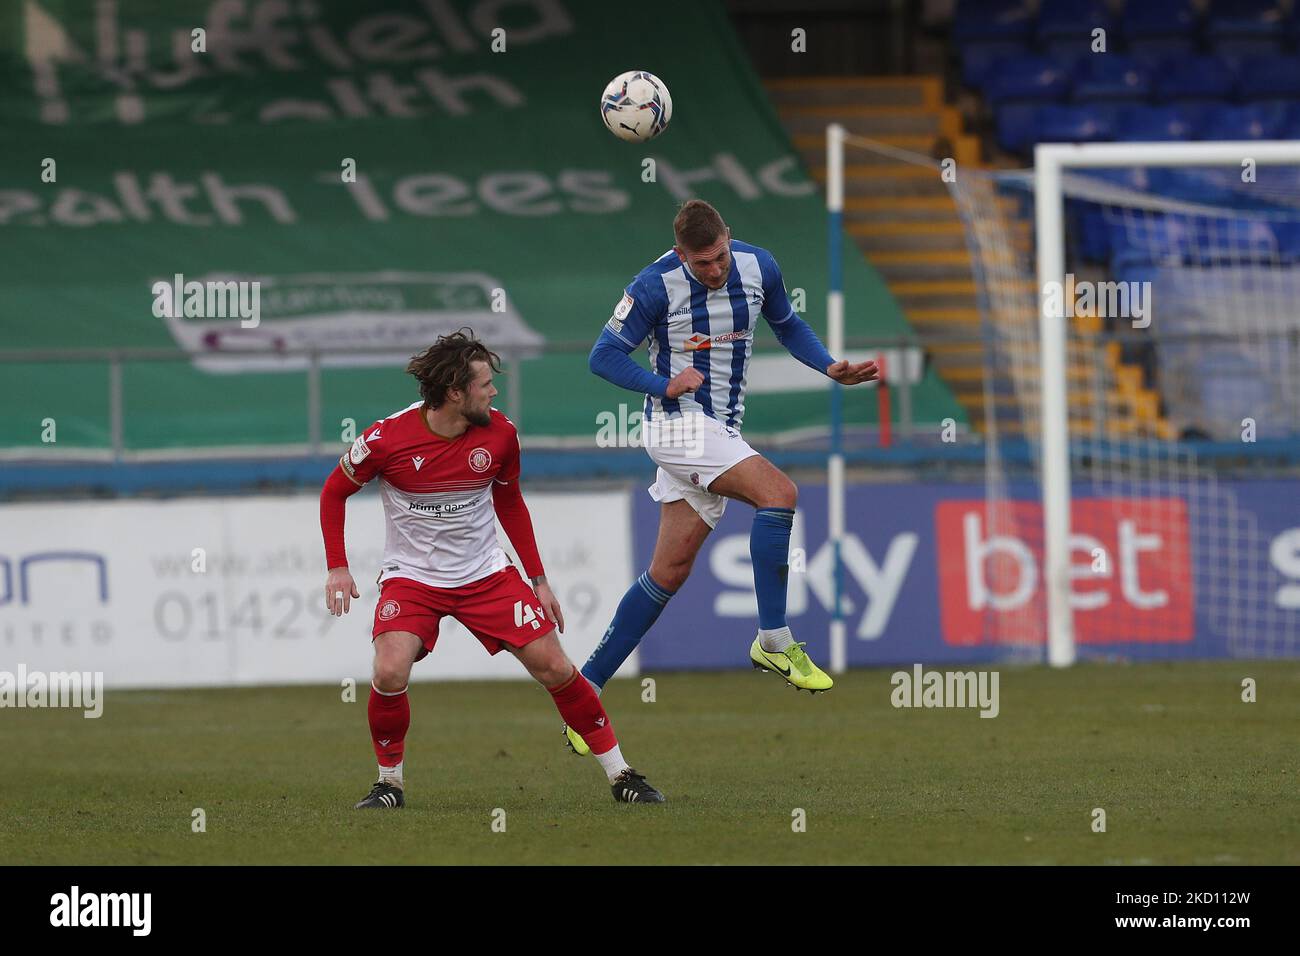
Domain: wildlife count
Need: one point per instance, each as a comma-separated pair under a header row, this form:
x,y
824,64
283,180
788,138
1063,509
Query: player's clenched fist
x,y
847,374
340,589
687,380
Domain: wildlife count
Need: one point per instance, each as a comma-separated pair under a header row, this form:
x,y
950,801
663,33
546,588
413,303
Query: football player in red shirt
x,y
447,465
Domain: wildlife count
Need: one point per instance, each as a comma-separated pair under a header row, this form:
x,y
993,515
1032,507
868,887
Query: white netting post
x,y
835,342
1054,436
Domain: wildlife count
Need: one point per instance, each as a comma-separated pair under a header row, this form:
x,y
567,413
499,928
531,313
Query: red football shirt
x,y
437,494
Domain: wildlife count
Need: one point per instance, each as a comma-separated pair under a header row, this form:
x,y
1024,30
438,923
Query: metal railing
x,y
513,362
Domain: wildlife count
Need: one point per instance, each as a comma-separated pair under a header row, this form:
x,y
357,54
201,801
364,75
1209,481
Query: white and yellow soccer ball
x,y
636,106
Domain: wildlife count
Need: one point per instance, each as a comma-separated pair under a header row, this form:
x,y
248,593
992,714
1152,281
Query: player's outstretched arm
x,y
340,588
797,336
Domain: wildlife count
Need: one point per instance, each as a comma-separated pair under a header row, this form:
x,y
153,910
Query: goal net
x,y
1140,316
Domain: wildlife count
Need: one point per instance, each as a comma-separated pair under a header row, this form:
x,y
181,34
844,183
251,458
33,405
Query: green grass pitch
x,y
1185,770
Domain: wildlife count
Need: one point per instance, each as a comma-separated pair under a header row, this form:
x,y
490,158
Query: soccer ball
x,y
636,106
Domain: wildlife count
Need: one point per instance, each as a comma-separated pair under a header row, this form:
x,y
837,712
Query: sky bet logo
x,y
1130,568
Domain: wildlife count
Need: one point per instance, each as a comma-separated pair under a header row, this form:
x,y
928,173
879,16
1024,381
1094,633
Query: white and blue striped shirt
x,y
688,324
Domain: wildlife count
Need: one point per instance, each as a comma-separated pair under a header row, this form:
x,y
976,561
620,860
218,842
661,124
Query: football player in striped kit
x,y
698,305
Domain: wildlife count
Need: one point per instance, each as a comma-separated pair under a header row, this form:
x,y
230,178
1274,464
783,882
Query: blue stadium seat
x,y
985,31
1197,78
1072,19
1092,240
1016,125
1245,28
992,20
1287,232
1143,19
1291,123
1074,123
979,58
1269,78
1160,28
1235,240
1162,48
1111,77
1155,124
1024,79
1149,239
1244,122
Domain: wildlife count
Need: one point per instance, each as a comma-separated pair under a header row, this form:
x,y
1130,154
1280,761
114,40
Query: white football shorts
x,y
691,450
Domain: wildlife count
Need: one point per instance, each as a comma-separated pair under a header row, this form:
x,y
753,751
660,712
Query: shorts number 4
x,y
524,614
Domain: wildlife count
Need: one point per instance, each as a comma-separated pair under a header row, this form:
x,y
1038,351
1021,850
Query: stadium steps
x,y
887,179
900,213
877,237
873,122
924,92
964,149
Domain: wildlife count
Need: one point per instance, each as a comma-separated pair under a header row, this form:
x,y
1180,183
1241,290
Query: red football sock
x,y
581,709
390,716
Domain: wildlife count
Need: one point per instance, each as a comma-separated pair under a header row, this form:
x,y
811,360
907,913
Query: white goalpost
x,y
1051,162
1104,435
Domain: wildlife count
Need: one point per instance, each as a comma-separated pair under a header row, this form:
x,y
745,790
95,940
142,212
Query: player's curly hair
x,y
698,225
445,365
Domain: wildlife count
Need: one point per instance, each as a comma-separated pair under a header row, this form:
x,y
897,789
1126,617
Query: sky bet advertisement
x,y
1215,574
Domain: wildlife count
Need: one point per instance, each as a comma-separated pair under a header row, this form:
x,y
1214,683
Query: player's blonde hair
x,y
446,364
698,225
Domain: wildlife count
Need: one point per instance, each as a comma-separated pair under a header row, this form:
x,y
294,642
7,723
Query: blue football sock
x,y
638,610
769,549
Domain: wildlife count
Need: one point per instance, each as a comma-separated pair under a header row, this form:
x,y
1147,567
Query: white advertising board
x,y
113,587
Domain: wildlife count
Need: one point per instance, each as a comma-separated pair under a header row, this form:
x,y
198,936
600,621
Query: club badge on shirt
x,y
620,312
359,451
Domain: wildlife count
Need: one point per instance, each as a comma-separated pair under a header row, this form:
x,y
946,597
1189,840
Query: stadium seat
x,y
1016,125
1074,123
1151,124
1150,240
1269,78
1093,237
1287,233
1291,124
1244,122
986,31
979,58
1245,28
1072,19
1160,27
1162,48
1008,20
1024,79
1198,78
1111,77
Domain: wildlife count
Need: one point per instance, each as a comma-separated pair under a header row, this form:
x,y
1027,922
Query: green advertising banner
x,y
367,176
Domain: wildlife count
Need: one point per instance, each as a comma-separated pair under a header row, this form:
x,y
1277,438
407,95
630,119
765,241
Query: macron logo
x,y
102,909
373,435
417,461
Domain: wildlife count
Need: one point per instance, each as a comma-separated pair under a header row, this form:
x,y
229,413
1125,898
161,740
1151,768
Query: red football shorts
x,y
499,609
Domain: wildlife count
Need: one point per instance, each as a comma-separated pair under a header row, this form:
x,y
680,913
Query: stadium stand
x,y
373,268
